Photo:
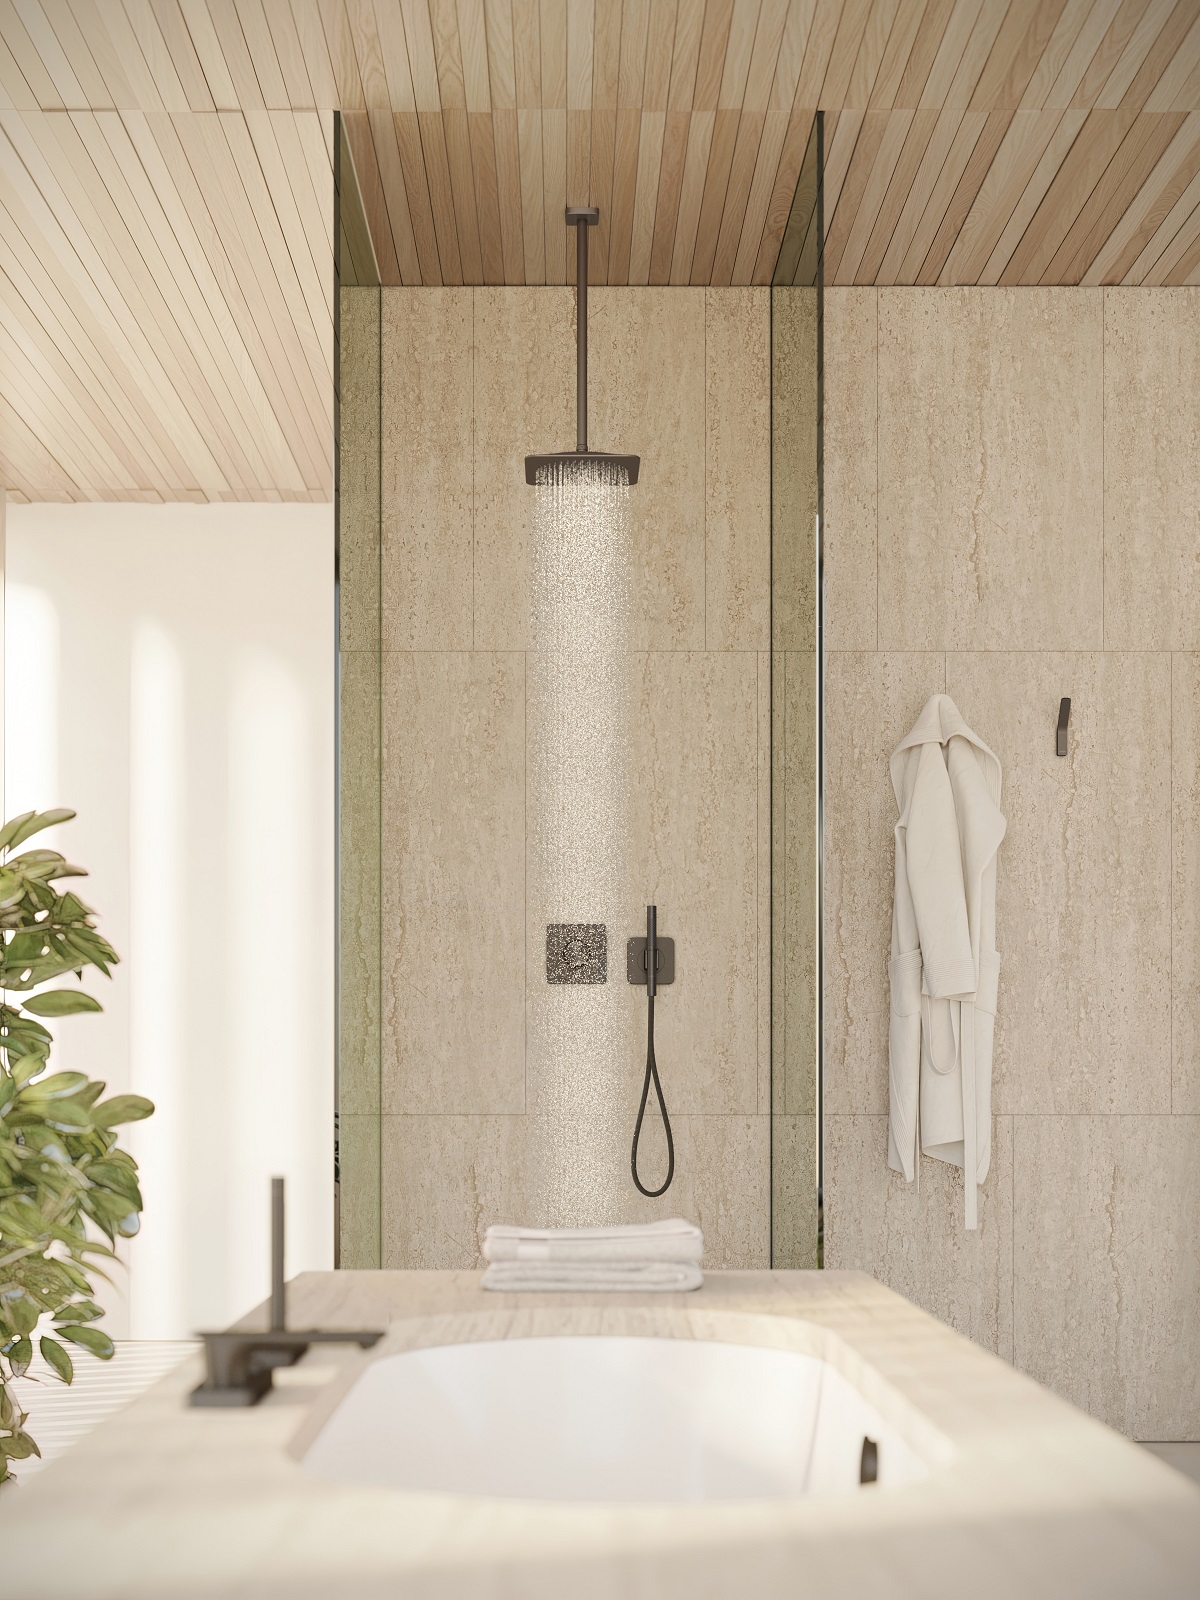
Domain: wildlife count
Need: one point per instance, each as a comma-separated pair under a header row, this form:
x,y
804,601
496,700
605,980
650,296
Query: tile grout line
x,y
876,469
1012,1235
474,487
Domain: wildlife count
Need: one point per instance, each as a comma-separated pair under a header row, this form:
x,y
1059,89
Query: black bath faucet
x,y
239,1362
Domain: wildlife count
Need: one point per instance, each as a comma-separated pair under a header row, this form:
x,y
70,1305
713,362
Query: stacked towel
x,y
662,1257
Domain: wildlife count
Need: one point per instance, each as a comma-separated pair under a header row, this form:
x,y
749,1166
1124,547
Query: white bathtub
x,y
614,1420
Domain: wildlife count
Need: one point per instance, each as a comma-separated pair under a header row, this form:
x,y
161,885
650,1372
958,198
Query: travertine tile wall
x,y
1012,514
472,379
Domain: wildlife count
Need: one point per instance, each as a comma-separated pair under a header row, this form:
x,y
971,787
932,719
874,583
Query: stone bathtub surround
x,y
1026,1495
454,1077
1012,513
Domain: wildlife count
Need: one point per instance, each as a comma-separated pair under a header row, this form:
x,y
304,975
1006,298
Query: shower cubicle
x,y
578,753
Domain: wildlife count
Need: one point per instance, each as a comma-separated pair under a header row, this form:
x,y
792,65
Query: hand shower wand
x,y
657,963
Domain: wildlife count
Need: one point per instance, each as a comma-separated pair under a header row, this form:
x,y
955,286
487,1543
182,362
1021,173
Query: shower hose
x,y
652,1077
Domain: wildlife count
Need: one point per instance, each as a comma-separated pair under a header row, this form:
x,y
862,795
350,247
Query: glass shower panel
x,y
572,714
795,729
359,550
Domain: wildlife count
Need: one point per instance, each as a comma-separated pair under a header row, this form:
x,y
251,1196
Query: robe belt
x,y
962,1025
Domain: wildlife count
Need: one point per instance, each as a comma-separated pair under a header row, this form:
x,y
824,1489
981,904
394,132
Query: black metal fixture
x,y
651,961
581,218
868,1466
1064,718
239,1363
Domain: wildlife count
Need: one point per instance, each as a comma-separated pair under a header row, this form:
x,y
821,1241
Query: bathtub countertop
x,y
1033,1498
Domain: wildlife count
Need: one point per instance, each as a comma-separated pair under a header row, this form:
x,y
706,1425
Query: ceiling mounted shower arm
x,y
561,466
581,218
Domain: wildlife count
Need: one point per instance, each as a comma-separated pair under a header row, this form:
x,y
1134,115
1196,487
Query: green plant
x,y
60,1166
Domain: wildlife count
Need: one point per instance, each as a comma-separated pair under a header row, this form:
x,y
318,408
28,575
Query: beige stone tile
x,y
990,469
359,883
914,1241
796,1047
871,702
358,469
723,1185
737,515
646,374
426,469
1107,1271
446,1179
692,850
1151,468
794,1197
1083,921
694,853
358,1191
851,417
524,404
454,882
1185,882
794,468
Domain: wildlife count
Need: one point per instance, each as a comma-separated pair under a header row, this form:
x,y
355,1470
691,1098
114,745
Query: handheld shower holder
x,y
636,966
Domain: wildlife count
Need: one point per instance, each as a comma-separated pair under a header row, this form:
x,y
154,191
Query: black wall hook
x,y
1064,717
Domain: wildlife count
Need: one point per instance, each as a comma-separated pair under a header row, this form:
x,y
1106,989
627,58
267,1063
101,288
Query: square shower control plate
x,y
635,960
576,952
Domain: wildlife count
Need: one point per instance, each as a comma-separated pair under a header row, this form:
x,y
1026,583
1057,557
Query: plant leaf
x,y
55,1356
122,1108
61,1003
81,1311
58,1084
93,1339
20,1356
25,826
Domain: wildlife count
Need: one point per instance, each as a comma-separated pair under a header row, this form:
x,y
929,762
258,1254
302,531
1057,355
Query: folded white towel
x,y
673,1240
634,1277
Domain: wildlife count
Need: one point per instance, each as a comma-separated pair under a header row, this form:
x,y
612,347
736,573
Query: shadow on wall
x,y
168,673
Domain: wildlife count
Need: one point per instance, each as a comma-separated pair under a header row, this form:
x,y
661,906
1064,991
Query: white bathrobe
x,y
944,967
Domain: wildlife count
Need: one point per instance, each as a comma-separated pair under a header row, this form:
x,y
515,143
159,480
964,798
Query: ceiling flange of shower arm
x,y
581,218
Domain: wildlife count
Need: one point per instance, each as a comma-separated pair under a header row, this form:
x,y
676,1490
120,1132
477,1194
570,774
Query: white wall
x,y
169,674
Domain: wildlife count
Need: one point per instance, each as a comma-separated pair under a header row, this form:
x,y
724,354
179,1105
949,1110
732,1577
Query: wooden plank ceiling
x,y
166,199
166,327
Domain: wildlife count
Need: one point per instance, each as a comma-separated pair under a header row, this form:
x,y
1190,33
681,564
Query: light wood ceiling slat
x,y
902,37
631,78
1101,40
1166,231
1023,147
50,184
168,181
886,219
1162,50
1074,181
1022,40
856,230
1123,178
980,160
1173,172
1175,250
971,125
